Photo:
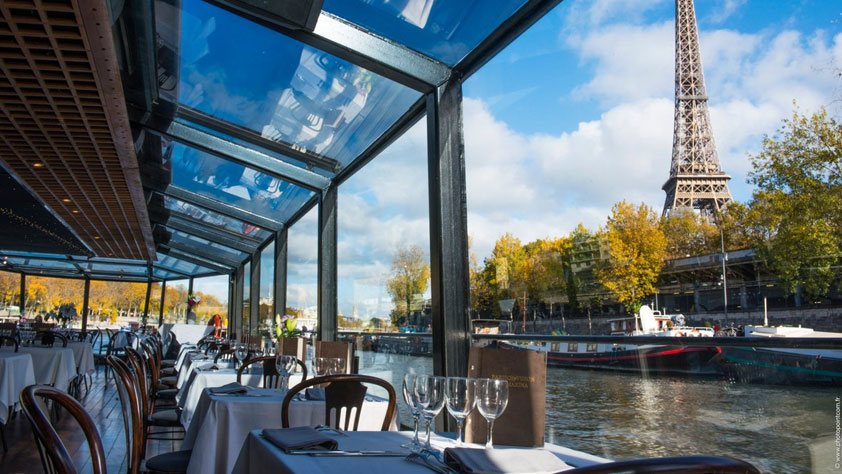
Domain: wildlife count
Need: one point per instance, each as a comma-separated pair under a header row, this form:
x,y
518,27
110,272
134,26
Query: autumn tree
x,y
689,233
637,247
409,277
797,207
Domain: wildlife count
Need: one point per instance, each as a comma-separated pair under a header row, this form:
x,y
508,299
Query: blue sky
x,y
576,115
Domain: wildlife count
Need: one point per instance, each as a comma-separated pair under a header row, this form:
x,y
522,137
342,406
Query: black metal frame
x,y
222,208
327,273
210,235
280,277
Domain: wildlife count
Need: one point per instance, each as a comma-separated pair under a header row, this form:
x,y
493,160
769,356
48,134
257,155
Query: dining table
x,y
221,423
185,333
83,354
259,455
54,366
16,373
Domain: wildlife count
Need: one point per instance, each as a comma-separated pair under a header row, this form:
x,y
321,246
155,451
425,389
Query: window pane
x,y
112,303
267,288
155,303
244,328
446,30
207,248
302,270
45,296
213,292
215,219
383,258
249,75
175,302
9,294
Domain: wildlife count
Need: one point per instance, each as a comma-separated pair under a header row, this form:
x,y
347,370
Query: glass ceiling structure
x,y
247,114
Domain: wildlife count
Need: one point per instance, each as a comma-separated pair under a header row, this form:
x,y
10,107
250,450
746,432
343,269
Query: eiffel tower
x,y
696,179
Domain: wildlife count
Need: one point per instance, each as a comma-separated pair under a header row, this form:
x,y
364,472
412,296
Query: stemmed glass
x,y
492,398
321,366
430,392
285,365
241,351
213,350
336,366
460,393
411,400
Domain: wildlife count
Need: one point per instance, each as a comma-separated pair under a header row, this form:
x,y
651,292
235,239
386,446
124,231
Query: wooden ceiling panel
x,y
64,130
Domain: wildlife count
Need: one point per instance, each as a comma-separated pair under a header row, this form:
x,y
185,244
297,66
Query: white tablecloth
x,y
54,366
196,360
259,455
183,352
199,379
83,354
221,423
16,372
184,333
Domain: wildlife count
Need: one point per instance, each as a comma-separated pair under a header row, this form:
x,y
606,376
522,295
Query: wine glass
x,y
336,365
213,350
241,351
492,398
321,366
411,400
285,365
460,393
430,392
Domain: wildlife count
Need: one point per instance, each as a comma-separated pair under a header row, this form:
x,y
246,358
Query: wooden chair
x,y
343,391
224,355
54,455
271,376
133,424
9,341
8,329
683,465
48,338
167,418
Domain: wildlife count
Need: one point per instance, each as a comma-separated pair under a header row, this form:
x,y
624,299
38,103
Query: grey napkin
x,y
498,461
302,437
314,394
232,387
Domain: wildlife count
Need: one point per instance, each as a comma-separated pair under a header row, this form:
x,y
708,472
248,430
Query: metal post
x,y
231,280
254,295
146,302
448,230
724,276
238,301
280,287
85,298
189,292
327,275
163,295
22,293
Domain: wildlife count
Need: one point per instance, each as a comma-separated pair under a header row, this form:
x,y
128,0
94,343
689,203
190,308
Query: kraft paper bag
x,y
336,349
522,423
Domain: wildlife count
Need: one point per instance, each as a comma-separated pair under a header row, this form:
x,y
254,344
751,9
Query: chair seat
x,y
164,418
166,393
170,381
168,371
168,363
176,461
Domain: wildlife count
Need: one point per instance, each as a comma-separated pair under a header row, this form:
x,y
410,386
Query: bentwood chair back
x,y
132,413
54,455
8,329
49,338
9,341
343,391
225,355
271,376
680,465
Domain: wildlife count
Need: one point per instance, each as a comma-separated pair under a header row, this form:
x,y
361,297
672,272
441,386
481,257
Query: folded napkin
x,y
302,437
497,461
232,387
314,394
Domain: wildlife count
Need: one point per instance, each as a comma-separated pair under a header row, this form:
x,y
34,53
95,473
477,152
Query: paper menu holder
x,y
522,423
336,349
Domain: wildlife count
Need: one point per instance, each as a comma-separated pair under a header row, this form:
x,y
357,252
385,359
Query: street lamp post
x,y
724,276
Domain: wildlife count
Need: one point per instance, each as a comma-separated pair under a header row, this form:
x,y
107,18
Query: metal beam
x,y
173,270
85,301
195,260
207,234
146,301
360,47
448,231
254,296
221,230
163,294
220,207
189,292
238,301
201,254
280,284
243,155
309,158
22,292
327,274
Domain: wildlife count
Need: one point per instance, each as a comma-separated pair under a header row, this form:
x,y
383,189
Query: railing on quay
x,y
770,342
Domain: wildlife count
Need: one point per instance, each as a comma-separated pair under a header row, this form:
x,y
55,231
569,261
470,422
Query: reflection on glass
x,y
249,75
446,30
206,246
232,183
267,287
214,219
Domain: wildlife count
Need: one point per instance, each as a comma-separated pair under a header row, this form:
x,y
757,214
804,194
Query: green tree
x,y
689,233
410,276
637,248
797,207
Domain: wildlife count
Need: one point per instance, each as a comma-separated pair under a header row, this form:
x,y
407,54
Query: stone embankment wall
x,y
829,319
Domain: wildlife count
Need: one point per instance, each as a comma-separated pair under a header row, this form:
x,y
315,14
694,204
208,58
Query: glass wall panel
x,y
214,219
46,297
114,303
155,303
286,91
267,288
244,329
9,295
175,302
383,258
206,247
302,270
213,294
446,30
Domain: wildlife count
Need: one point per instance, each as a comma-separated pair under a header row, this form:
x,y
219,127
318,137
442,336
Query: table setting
x,y
54,366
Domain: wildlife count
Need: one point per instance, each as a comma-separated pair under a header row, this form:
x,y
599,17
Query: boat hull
x,y
776,366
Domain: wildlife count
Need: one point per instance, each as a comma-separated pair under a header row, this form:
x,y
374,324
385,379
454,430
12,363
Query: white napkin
x,y
232,387
499,461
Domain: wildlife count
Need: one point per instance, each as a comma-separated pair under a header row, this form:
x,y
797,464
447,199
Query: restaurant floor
x,y
103,404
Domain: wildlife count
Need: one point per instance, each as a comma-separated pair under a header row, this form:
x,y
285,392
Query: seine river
x,y
622,416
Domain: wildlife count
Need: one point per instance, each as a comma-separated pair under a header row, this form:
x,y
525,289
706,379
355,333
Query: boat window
x,y
555,347
591,347
572,347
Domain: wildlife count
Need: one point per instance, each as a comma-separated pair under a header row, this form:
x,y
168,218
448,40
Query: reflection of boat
x,y
780,365
649,358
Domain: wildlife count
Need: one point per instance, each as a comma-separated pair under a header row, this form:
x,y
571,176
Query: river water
x,y
779,429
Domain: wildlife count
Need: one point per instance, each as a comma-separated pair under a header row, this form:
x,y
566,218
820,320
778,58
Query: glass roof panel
x,y
234,184
215,219
180,265
165,275
101,267
286,91
206,247
446,30
38,263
